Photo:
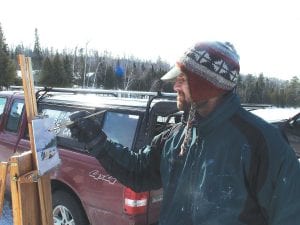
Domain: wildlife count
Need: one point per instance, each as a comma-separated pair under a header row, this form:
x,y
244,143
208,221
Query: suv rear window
x,y
120,127
2,105
15,114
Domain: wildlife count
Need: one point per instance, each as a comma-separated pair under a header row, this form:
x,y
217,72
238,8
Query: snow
x,y
274,114
6,218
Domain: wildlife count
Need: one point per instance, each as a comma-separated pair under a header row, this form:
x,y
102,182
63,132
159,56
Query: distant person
x,y
221,165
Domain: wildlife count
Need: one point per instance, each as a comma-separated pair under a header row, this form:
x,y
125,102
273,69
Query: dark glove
x,y
86,129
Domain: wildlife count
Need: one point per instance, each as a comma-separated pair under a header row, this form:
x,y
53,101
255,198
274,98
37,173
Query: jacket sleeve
x,y
139,171
285,202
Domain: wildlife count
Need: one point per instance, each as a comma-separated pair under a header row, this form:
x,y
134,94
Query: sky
x,y
264,32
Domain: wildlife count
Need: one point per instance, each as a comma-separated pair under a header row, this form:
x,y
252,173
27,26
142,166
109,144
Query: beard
x,y
182,103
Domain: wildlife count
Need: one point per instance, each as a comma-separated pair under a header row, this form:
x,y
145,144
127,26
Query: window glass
x,y
60,117
120,127
15,114
2,105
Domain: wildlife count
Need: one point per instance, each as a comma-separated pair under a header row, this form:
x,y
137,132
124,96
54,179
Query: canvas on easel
x,y
45,145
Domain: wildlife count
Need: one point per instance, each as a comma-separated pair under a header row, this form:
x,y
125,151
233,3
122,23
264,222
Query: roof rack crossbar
x,y
116,93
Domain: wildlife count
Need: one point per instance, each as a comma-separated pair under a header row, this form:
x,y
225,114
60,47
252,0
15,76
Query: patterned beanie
x,y
211,68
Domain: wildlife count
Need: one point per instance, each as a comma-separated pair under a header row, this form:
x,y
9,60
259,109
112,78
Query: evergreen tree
x,y
281,101
101,72
8,73
250,88
267,92
19,50
259,90
58,72
68,71
240,88
37,57
46,74
293,92
110,78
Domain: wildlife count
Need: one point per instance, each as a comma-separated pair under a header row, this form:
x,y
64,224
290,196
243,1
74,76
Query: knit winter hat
x,y
211,67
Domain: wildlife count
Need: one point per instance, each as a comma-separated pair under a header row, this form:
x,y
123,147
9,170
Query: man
x,y
221,165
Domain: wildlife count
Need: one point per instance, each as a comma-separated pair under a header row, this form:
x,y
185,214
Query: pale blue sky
x,y
264,32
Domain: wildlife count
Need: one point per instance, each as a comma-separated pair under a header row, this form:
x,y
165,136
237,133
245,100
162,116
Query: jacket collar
x,y
222,112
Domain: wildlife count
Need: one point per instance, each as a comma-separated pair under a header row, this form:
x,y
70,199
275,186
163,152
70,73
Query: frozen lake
x,y
275,114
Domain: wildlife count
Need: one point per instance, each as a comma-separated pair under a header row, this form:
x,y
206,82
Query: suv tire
x,y
67,210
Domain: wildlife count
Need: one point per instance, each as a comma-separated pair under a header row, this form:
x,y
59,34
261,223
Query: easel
x,y
31,193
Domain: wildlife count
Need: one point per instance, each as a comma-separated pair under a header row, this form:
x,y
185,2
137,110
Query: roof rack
x,y
41,92
115,93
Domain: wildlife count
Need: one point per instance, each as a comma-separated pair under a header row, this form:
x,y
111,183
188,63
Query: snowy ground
x,y
6,218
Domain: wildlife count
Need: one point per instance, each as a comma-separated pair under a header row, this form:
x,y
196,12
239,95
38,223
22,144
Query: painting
x,y
45,145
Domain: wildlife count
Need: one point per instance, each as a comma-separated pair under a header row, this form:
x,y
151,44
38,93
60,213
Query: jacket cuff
x,y
97,146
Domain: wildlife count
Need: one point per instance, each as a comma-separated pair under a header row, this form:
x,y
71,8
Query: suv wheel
x,y
67,210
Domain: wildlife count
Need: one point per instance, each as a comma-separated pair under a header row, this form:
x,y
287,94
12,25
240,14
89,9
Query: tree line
x,y
89,68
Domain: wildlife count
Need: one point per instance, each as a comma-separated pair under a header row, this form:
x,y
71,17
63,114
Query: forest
x,y
89,68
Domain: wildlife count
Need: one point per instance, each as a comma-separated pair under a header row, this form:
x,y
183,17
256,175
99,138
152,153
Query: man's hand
x,y
85,128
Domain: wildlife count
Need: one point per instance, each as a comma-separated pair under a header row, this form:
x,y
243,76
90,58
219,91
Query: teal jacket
x,y
238,169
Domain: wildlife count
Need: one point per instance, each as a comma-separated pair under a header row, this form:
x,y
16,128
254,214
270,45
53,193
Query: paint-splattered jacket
x,y
238,170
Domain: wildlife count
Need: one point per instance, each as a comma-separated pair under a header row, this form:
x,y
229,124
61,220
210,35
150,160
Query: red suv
x,y
82,191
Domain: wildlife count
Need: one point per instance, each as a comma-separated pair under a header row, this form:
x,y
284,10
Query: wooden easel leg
x,y
3,172
16,208
25,200
44,186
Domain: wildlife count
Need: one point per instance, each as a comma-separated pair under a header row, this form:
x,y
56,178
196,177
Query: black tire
x,y
67,210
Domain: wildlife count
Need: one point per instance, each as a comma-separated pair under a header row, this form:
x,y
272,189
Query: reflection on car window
x,y
60,117
2,105
15,114
120,127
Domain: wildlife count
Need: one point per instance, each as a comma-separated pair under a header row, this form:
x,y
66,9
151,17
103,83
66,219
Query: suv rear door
x,y
12,127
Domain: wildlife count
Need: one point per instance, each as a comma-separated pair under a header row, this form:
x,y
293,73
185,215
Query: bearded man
x,y
221,165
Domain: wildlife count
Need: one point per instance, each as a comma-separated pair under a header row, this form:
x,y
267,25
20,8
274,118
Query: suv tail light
x,y
135,203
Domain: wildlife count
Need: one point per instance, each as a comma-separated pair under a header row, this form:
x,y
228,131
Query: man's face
x,y
181,86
